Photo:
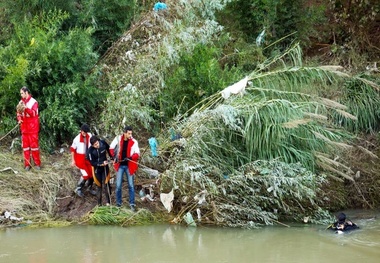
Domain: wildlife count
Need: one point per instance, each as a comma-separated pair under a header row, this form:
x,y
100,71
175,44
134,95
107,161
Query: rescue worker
x,y
125,150
78,149
28,118
343,225
97,155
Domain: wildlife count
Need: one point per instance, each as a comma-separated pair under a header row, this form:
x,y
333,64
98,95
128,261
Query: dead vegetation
x,y
215,172
46,196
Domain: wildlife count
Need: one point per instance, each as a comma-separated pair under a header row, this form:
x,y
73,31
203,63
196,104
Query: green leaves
x,y
198,75
264,143
110,215
68,105
362,100
109,20
279,18
53,64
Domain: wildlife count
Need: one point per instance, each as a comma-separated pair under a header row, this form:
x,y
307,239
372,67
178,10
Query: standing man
x,y
27,117
125,150
79,149
97,154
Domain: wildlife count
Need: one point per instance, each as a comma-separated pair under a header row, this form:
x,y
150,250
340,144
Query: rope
x,y
108,185
28,161
9,132
129,160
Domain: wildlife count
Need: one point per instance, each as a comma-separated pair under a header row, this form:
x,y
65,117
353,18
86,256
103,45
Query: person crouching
x,y
97,155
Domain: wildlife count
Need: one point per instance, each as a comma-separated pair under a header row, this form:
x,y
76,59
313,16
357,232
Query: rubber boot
x,y
99,195
90,183
108,193
80,185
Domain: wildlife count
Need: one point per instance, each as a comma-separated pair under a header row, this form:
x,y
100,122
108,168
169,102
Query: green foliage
x,y
147,56
279,18
279,119
13,76
255,194
109,19
52,64
69,105
353,26
363,101
25,54
279,116
5,26
263,191
110,215
55,56
18,10
245,56
126,107
198,75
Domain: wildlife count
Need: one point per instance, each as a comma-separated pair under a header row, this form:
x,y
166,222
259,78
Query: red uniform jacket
x,y
30,121
133,152
79,149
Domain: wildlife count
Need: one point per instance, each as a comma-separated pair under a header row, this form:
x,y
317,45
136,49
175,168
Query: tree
x,y
54,64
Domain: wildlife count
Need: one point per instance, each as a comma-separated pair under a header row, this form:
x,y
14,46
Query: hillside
x,y
248,135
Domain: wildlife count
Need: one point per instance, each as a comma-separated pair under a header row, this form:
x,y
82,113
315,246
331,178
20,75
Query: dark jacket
x,y
97,156
343,226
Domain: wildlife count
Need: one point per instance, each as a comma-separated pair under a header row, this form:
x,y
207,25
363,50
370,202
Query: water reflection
x,y
168,243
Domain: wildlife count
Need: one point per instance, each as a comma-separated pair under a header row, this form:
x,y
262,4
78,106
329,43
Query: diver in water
x,y
343,225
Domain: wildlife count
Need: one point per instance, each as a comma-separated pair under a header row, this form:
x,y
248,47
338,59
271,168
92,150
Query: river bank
x,y
46,195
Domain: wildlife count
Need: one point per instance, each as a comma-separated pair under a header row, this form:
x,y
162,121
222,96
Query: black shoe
x,y
79,193
93,192
118,205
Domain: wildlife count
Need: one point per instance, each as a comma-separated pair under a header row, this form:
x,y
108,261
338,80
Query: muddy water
x,y
168,243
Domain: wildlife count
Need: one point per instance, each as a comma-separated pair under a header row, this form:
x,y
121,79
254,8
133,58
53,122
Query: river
x,y
170,243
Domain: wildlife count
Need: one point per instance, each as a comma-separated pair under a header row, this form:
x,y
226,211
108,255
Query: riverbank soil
x,y
72,207
49,193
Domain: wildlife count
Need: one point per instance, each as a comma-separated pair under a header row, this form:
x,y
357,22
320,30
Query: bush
x,y
69,105
53,64
197,76
280,18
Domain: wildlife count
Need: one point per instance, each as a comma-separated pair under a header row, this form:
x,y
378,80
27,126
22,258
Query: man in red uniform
x,y
27,117
78,149
126,152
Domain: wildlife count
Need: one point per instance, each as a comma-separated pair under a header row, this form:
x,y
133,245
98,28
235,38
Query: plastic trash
x,y
159,6
237,88
167,200
8,215
189,219
151,191
199,214
201,197
148,197
260,38
150,172
174,136
153,146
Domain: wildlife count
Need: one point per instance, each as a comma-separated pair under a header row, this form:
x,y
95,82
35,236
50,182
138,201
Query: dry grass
x,y
32,194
